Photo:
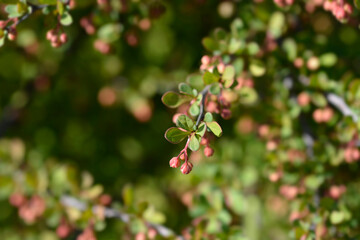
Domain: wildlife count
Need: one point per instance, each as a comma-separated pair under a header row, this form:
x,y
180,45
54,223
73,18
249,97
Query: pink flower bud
x,y
186,167
303,99
226,113
205,60
204,141
3,24
63,38
327,114
55,44
339,13
348,8
264,130
348,155
63,230
289,192
175,162
208,151
355,154
12,34
17,199
152,233
221,67
271,145
317,115
102,46
145,24
275,176
140,236
182,157
298,62
50,34
105,199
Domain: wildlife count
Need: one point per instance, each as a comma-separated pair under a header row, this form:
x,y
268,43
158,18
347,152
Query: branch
x,y
204,93
72,202
335,100
341,105
34,8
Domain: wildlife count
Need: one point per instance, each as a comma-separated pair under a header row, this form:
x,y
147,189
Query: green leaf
x,y
210,78
277,24
357,4
328,59
2,41
257,68
210,44
66,19
247,95
237,26
185,88
60,8
194,110
185,122
110,32
228,76
12,11
235,45
195,81
238,65
336,217
290,47
194,144
128,195
175,135
215,89
21,8
201,129
318,99
9,1
46,2
253,48
208,117
173,99
215,128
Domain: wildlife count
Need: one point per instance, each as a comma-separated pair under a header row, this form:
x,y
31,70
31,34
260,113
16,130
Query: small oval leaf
x,y
175,135
215,128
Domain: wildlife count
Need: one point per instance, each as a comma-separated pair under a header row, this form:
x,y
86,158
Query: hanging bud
x,y
175,162
208,151
12,34
63,38
186,168
226,113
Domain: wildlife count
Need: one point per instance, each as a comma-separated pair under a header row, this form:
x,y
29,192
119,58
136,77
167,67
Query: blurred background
x,y
74,120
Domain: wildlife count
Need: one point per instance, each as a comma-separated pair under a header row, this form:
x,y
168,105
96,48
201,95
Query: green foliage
x,y
84,122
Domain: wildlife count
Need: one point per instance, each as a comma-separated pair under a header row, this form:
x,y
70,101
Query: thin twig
x,y
341,105
33,7
72,202
204,93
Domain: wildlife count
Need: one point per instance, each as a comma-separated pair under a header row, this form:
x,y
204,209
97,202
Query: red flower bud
x,y
50,34
3,24
63,230
12,34
226,113
303,99
17,199
186,168
205,60
208,151
63,38
175,162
